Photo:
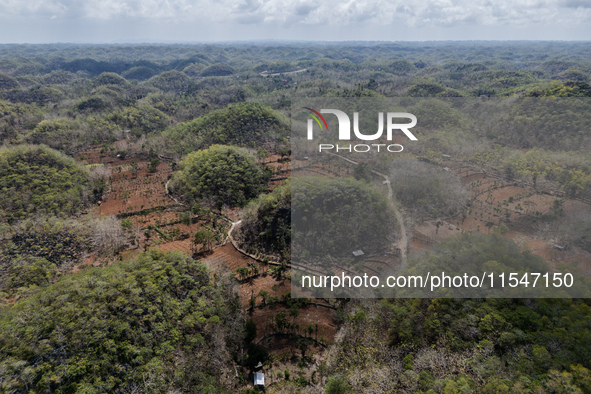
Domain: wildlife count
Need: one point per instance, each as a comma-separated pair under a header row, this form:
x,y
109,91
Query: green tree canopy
x,y
35,179
219,175
132,326
266,226
245,124
338,216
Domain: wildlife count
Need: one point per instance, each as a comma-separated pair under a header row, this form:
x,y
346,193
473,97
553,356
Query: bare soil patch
x,y
134,191
227,256
307,315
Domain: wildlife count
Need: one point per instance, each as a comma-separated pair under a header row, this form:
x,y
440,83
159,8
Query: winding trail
x,y
402,243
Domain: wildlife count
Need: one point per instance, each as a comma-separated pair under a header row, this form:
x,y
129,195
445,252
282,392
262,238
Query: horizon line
x,y
252,41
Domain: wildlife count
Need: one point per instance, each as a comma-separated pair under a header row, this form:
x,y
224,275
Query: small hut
x,y
259,379
358,253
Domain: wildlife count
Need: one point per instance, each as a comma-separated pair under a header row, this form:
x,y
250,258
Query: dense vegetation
x,y
426,190
266,226
337,216
473,345
466,345
36,180
37,251
188,97
220,175
32,253
158,322
243,124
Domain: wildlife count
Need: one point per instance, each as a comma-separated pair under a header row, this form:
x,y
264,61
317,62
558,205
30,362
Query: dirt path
x,y
239,249
402,243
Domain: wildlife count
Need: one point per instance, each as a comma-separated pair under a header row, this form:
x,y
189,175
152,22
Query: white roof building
x,y
259,379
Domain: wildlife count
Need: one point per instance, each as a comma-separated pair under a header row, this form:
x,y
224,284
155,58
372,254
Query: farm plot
x,y
136,190
93,155
435,230
178,233
272,286
472,178
496,202
100,155
418,245
226,257
278,163
266,288
158,218
140,195
184,246
336,169
309,321
376,264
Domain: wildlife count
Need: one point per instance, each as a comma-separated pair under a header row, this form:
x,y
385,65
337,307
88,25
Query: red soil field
x,y
526,204
309,314
183,246
227,257
132,192
275,288
136,189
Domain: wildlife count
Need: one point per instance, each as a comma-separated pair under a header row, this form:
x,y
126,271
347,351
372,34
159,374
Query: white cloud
x,y
577,3
306,14
32,7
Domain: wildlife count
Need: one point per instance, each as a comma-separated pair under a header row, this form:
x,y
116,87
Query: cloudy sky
x,y
37,21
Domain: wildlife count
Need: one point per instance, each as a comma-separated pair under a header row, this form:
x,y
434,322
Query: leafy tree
x,y
109,78
266,224
153,167
427,87
426,190
245,124
336,384
94,103
262,155
221,173
127,224
140,73
7,82
56,133
263,294
337,216
205,239
38,180
567,89
24,273
58,77
171,81
217,70
141,119
401,67
363,172
194,69
126,327
242,272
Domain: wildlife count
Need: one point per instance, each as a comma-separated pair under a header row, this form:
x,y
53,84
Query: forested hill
x,y
146,232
